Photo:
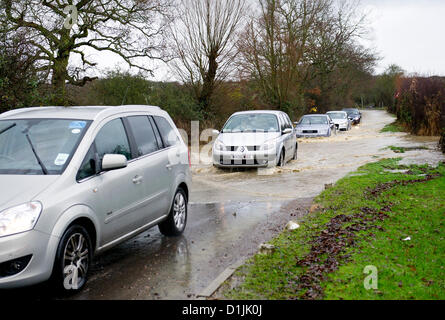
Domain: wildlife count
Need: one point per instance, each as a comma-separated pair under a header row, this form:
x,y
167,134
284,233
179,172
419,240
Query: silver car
x,y
341,120
78,181
315,125
255,139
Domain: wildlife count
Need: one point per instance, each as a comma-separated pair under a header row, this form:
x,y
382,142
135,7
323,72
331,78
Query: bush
x,y
421,104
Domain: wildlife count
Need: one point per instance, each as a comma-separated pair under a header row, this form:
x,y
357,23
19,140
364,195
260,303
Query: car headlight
x,y
268,146
219,146
19,219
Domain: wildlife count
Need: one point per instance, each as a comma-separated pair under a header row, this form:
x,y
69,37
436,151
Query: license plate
x,y
242,157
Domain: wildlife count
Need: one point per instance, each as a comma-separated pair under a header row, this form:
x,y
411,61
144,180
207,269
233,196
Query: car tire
x,y
177,219
295,157
76,244
281,160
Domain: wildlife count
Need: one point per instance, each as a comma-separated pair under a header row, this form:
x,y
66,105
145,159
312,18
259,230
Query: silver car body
x,y
248,149
340,119
309,130
115,205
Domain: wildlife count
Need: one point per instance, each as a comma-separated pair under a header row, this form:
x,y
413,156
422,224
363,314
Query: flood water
x,y
232,212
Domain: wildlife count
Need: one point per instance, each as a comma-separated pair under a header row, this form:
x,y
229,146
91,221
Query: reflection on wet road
x,y
232,212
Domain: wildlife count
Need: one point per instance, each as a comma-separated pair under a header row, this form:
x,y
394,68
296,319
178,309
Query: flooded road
x,y
232,212
320,161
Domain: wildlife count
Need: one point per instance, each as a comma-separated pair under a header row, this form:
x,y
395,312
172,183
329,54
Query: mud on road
x,y
232,212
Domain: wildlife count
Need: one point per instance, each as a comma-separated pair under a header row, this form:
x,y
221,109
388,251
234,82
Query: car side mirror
x,y
215,132
287,131
114,162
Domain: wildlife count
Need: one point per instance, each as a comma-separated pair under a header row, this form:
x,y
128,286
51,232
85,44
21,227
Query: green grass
x,y
406,269
393,127
405,149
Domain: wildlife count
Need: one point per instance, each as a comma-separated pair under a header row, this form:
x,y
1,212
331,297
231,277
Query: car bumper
x,y
342,126
250,159
312,135
39,246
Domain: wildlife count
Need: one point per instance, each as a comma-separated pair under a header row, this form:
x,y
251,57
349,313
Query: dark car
x,y
354,115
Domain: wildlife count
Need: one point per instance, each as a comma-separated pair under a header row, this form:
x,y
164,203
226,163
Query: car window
x,y
252,122
112,139
39,146
88,167
283,122
289,123
168,134
144,135
314,120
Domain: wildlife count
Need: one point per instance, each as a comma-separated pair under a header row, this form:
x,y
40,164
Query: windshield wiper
x,y
45,171
8,128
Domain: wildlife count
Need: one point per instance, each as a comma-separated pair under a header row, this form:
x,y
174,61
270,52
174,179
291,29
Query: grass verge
x,y
405,149
393,127
365,220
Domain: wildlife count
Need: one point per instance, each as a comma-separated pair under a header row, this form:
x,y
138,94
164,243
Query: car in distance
x,y
354,115
315,125
255,139
340,119
77,181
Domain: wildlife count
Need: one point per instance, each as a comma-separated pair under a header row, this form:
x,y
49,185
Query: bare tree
x,y
204,43
59,29
292,42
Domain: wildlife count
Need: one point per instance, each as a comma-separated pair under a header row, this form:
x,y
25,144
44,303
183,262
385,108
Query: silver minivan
x,y
77,181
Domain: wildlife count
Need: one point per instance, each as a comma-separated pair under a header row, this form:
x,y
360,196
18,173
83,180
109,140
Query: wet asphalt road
x,y
231,213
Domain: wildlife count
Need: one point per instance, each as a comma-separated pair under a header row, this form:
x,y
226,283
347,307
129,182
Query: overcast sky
x,y
409,33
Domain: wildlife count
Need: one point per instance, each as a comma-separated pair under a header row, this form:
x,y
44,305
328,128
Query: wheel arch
x,y
82,215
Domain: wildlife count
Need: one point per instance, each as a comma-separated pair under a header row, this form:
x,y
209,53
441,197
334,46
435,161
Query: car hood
x,y
19,189
313,126
247,138
337,121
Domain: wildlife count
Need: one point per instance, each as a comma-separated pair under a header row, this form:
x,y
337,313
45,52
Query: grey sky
x,y
409,33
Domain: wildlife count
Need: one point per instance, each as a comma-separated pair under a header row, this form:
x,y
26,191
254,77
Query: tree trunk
x,y
208,84
59,81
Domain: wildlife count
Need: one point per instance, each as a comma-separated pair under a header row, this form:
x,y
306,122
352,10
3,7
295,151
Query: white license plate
x,y
242,157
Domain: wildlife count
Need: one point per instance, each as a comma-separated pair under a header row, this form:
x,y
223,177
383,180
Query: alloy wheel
x,y
75,262
179,211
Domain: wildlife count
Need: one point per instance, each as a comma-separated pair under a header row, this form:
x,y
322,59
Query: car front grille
x,y
249,148
310,131
243,162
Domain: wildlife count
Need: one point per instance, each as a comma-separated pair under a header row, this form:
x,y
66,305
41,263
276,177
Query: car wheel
x,y
73,259
177,219
281,159
295,157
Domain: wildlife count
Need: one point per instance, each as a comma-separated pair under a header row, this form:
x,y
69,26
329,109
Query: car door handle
x,y
138,179
169,166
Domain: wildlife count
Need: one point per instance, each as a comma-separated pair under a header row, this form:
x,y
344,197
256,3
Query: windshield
x,y
314,120
338,115
254,122
352,112
38,146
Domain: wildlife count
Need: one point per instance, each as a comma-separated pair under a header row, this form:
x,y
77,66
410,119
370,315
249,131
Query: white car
x,y
341,120
256,139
